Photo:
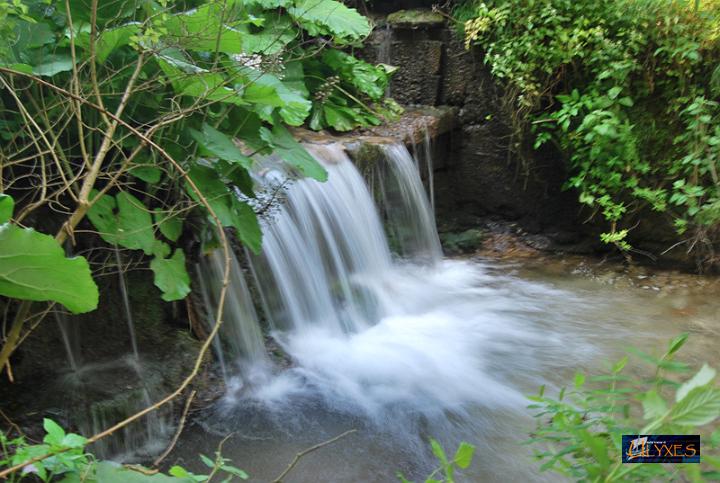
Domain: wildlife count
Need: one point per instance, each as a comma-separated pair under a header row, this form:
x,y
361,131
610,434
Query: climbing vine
x,y
629,90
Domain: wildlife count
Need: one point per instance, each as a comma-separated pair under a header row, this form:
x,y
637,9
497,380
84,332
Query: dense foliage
x,y
629,89
579,432
145,118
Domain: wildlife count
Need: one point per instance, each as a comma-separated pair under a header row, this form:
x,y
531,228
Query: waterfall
x,y
427,151
126,303
407,214
326,240
324,252
70,337
241,328
385,52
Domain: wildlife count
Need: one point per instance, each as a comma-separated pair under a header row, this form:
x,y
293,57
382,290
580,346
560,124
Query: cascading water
x,y
385,336
71,339
320,251
396,342
126,303
241,328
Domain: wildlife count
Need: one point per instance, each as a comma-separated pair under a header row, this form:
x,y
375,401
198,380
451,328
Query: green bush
x,y
579,432
629,90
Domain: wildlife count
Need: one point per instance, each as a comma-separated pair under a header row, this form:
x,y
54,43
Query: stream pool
x,y
469,340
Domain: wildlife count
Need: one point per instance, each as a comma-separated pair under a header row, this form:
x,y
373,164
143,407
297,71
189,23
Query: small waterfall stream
x,y
122,282
382,334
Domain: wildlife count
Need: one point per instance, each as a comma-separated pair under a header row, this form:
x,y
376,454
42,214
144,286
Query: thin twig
x,y
310,450
181,425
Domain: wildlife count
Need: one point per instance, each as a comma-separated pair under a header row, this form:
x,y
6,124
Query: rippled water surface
x,y
466,341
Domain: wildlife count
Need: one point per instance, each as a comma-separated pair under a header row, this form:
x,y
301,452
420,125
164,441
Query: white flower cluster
x,y
254,60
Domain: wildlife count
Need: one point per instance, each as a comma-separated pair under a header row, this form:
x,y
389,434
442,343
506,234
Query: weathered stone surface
x,y
415,19
459,66
412,126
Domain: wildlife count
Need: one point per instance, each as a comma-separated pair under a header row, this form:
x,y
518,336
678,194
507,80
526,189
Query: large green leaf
x,y
190,80
272,39
207,28
654,406
53,64
135,225
171,276
34,267
246,223
464,454
230,211
112,39
170,224
125,221
267,92
323,17
703,377
365,77
7,206
292,152
700,406
220,145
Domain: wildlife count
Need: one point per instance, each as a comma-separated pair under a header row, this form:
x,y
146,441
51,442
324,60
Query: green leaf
x,y
170,225
134,224
267,91
109,40
677,343
55,434
171,276
272,39
579,380
292,152
34,267
703,377
620,365
246,224
322,17
230,211
367,78
7,207
464,454
149,174
53,64
125,221
654,405
340,118
235,471
715,439
700,406
220,145
73,440
190,80
207,461
438,451
207,28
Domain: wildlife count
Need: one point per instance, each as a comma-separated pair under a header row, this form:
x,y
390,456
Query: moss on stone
x,y
365,155
417,18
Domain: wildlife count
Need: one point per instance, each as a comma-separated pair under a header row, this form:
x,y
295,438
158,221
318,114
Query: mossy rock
x,y
365,155
464,242
415,19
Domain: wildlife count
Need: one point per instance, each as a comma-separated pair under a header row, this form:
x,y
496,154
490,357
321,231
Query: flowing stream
x,y
384,336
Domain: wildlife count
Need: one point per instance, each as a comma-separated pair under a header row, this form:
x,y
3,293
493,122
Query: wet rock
x,y
467,241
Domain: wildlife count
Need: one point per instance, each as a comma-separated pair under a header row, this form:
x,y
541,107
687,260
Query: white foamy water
x,y
385,336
